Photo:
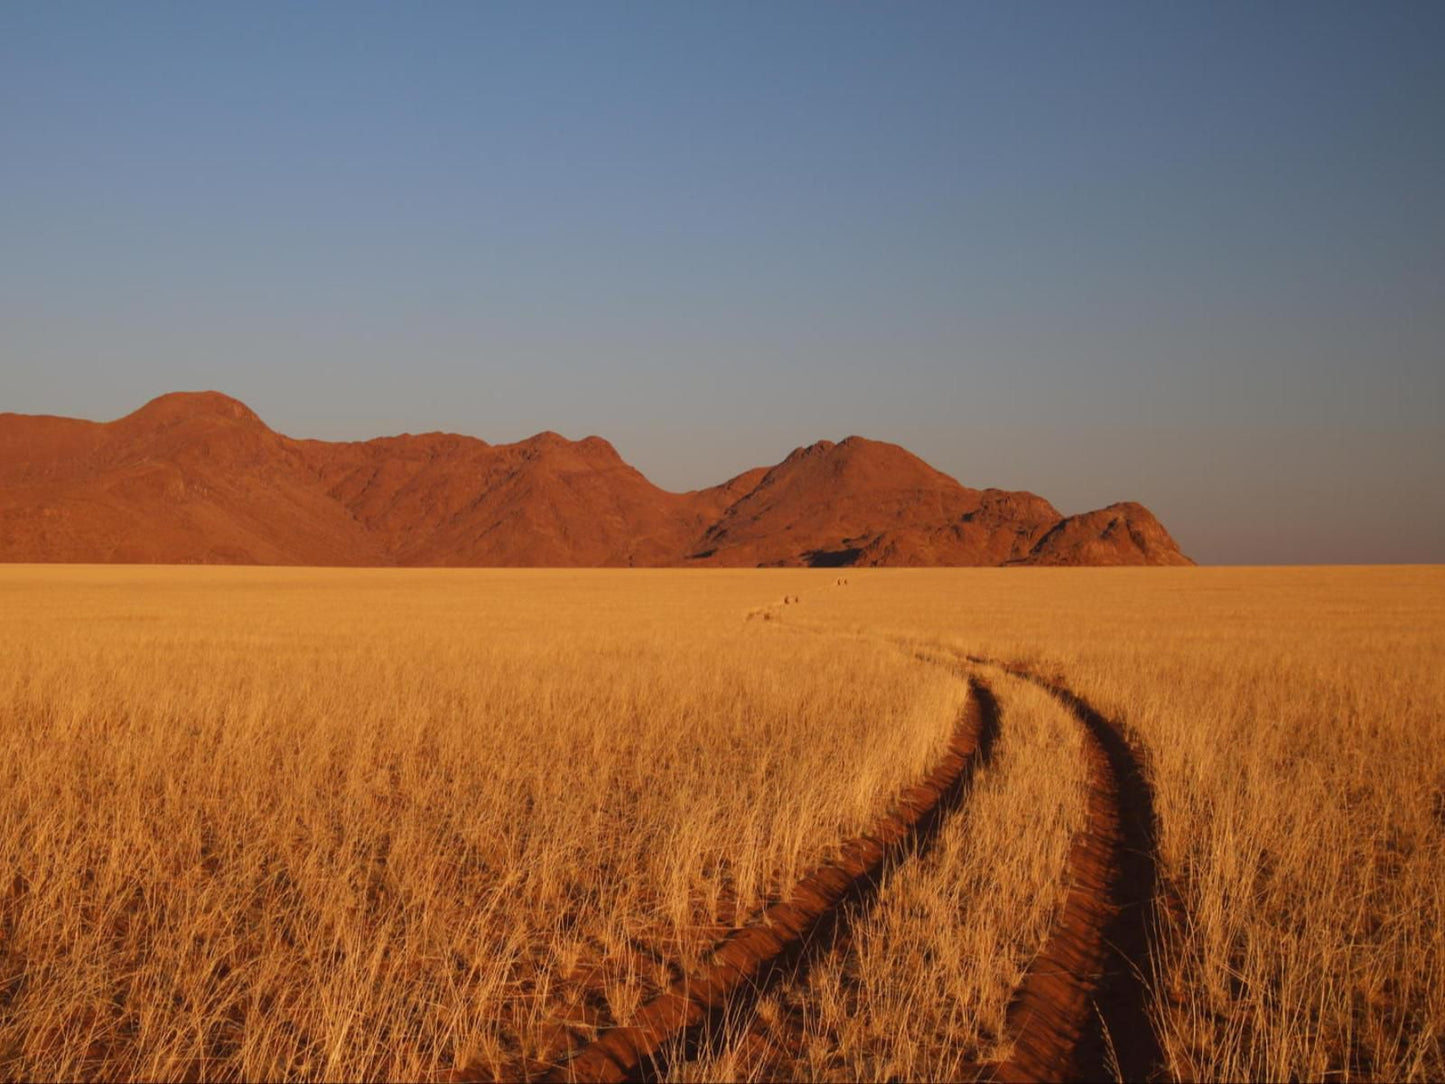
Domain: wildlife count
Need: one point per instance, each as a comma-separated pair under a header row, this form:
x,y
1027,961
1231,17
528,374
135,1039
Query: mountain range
x,y
198,477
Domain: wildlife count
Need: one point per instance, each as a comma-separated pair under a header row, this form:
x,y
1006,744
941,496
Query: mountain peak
x,y
180,406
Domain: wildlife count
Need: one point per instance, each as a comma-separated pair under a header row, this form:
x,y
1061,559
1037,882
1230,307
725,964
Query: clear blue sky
x,y
1192,255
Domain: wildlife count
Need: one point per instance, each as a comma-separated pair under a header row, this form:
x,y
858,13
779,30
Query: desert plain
x,y
321,824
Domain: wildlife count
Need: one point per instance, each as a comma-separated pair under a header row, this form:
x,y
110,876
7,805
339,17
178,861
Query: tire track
x,y
1080,1012
791,935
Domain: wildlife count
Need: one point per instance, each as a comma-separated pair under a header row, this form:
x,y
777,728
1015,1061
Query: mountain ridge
x,y
198,477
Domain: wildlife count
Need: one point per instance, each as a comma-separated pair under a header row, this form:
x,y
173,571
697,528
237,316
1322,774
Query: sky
x,y
1190,255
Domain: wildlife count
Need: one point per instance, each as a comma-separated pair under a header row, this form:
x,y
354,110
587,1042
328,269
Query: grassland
x,y
307,824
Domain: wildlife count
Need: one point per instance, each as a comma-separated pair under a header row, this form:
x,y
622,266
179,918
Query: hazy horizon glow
x,y
1187,255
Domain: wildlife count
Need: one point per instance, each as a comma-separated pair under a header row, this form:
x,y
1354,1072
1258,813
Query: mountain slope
x,y
1121,534
187,478
198,477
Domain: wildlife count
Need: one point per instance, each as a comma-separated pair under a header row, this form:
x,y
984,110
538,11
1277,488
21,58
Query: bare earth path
x,y
1080,1012
788,934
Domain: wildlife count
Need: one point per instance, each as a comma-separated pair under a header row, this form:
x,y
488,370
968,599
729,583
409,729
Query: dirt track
x,y
1080,1012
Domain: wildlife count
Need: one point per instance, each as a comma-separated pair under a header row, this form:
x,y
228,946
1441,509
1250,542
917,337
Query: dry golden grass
x,y
303,824
344,825
1293,727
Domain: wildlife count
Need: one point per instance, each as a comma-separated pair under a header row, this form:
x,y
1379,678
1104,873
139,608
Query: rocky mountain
x,y
198,477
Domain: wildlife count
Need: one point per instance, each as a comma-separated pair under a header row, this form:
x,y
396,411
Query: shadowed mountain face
x,y
198,477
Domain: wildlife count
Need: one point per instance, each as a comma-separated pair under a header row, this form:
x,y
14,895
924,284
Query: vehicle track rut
x,y
790,934
1080,1012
